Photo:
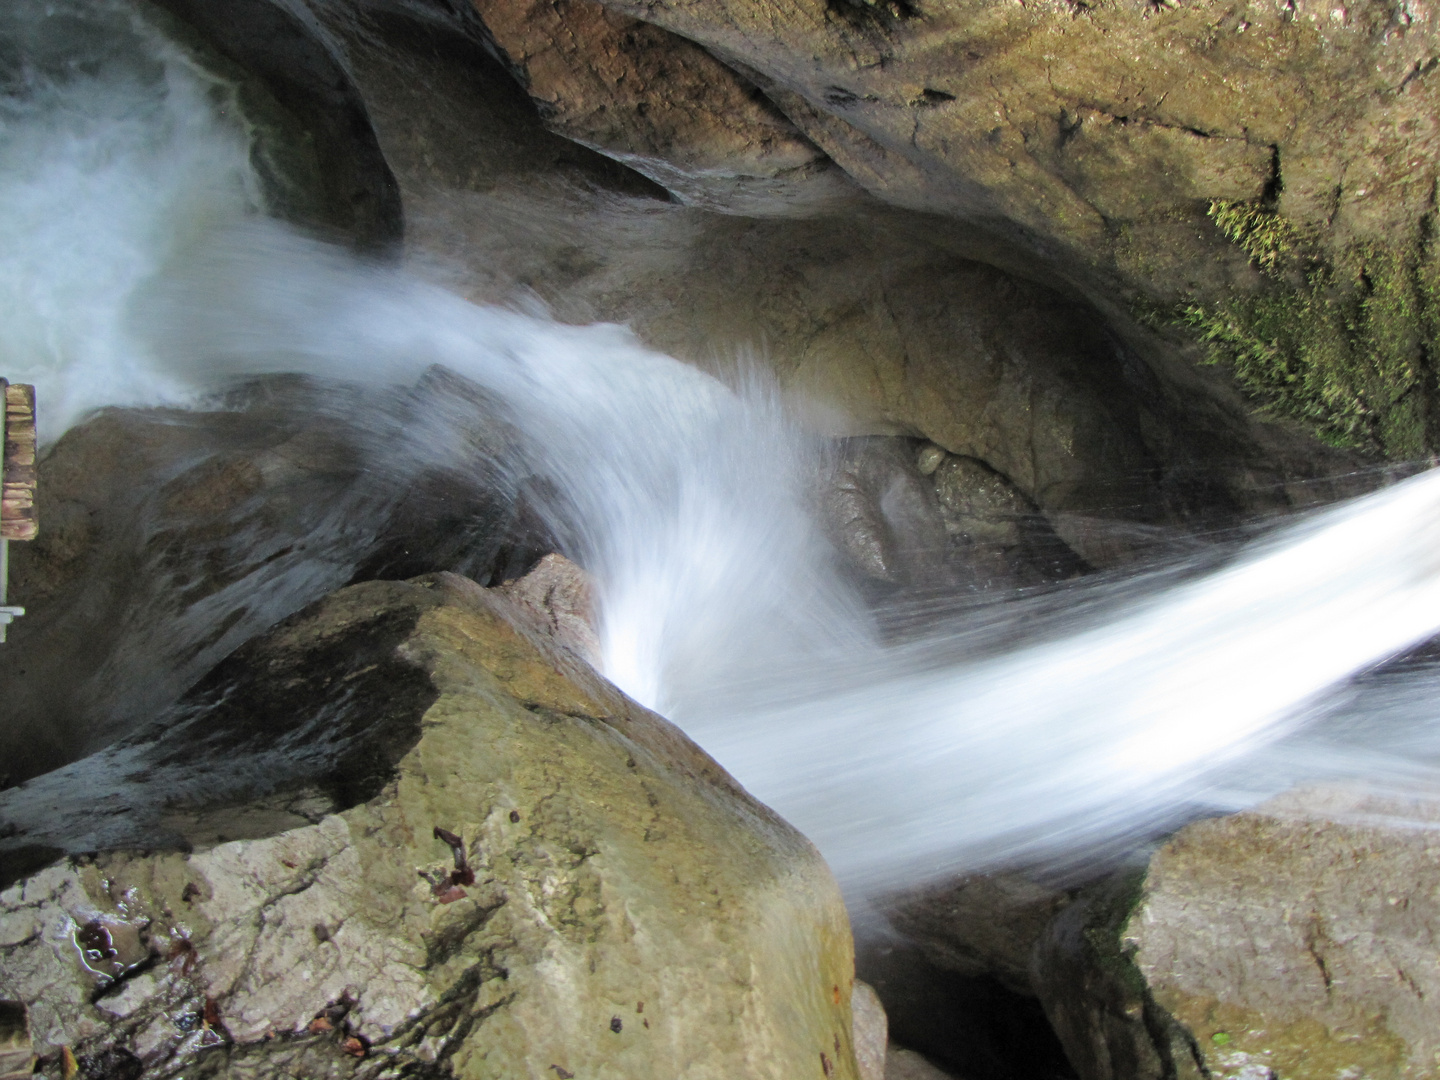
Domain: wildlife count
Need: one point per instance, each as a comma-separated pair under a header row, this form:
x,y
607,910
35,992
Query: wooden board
x,y
17,496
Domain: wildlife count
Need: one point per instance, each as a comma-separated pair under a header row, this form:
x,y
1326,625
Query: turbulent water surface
x,y
137,265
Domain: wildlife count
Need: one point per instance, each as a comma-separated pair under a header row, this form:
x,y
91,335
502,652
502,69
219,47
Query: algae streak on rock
x,y
628,910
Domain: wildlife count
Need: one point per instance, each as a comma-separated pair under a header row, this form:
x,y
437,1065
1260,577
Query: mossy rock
x,y
1345,342
540,878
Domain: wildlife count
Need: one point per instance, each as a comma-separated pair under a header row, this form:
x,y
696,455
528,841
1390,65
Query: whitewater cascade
x,y
138,267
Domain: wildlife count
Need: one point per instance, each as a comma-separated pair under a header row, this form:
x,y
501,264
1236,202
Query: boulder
x,y
1294,940
984,924
464,854
932,522
172,536
662,105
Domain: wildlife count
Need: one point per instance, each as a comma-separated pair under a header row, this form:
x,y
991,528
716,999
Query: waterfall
x,y
138,266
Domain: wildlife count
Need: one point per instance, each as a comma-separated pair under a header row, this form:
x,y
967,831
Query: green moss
x,y
1342,343
1104,933
1266,237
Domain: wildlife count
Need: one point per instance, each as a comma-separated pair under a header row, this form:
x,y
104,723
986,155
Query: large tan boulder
x,y
466,853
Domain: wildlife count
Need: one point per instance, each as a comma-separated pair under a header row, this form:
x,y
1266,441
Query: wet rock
x,y
171,537
969,1024
539,876
1162,161
929,458
1110,1027
995,530
661,105
1097,135
882,514
960,526
315,149
884,319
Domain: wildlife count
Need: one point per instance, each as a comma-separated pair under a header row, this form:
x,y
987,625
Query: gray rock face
x,y
879,319
1295,940
547,878
315,149
1299,940
934,522
982,925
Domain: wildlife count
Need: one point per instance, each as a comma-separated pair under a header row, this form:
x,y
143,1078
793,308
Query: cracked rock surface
x,y
1294,940
546,880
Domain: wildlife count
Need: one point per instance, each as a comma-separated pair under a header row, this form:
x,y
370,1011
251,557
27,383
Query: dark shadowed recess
x,y
309,719
971,1025
316,150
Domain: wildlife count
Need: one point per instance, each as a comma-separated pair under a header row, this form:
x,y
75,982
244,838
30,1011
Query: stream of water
x,y
138,266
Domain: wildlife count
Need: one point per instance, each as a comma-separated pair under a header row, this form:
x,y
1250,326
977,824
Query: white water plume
x,y
721,604
112,157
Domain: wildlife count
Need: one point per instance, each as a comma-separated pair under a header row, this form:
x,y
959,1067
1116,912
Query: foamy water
x,y
134,269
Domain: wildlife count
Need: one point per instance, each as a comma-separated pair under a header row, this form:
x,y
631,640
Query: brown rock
x,y
1102,131
662,105
880,317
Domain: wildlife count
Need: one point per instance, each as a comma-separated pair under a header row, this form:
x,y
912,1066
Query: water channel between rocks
x,y
891,645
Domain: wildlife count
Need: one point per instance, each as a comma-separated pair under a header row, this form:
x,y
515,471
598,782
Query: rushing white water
x,y
133,269
113,156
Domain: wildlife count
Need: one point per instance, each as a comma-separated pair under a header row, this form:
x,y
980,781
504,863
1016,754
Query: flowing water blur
x,y
137,266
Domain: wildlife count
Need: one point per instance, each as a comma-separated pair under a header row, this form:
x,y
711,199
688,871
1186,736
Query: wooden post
x,y
17,484
17,496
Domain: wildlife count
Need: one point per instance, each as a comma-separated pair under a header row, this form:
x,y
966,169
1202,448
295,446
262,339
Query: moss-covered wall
x,y
1346,342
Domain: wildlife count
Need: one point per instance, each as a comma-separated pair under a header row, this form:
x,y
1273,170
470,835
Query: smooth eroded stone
x,y
662,105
